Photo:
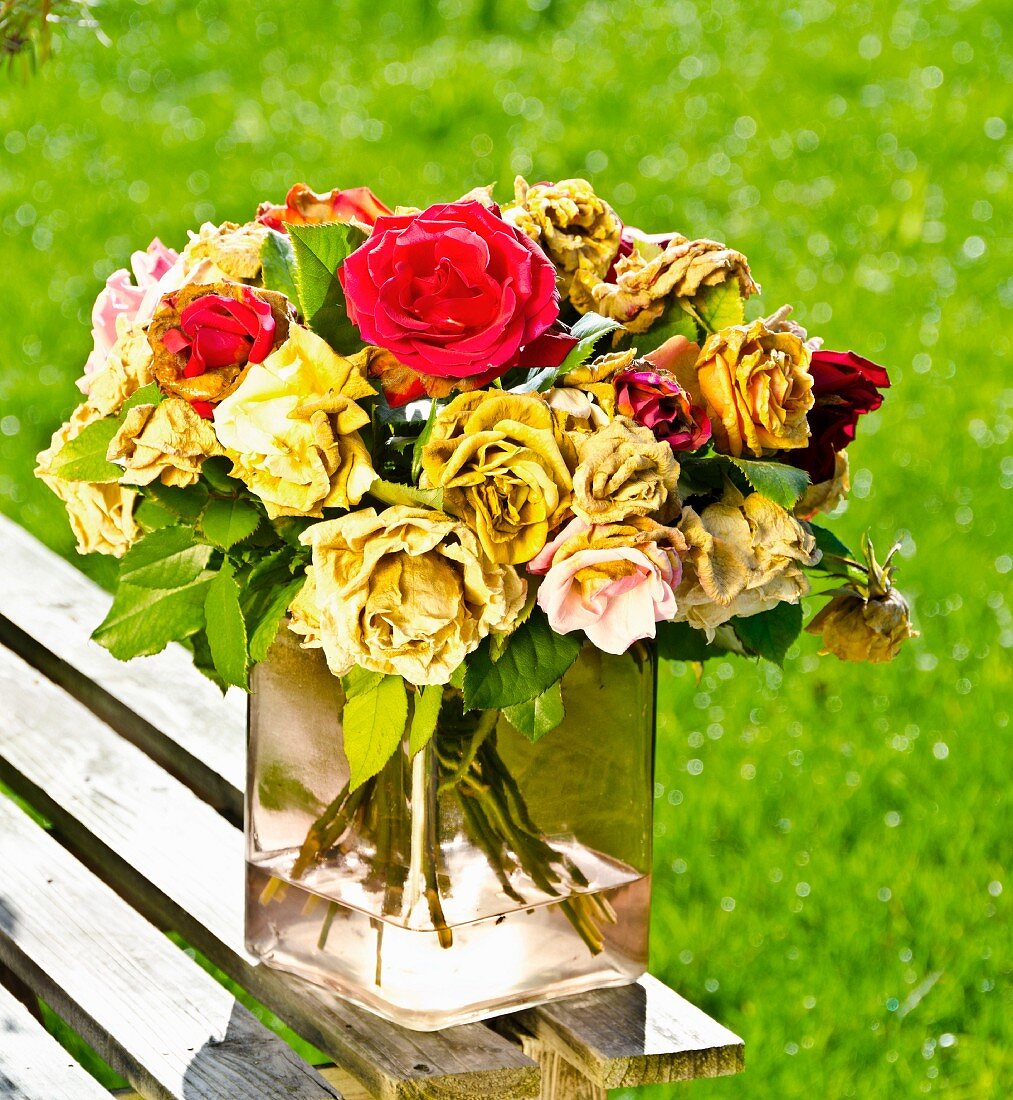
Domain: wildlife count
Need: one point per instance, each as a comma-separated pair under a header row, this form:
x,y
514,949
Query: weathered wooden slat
x,y
33,1065
150,1011
642,1034
182,864
350,1088
560,1080
48,610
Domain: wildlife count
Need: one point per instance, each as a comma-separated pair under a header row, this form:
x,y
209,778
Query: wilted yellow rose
x,y
577,229
168,441
825,496
745,555
291,428
644,286
234,249
127,368
756,386
854,628
504,467
581,410
101,515
407,592
624,471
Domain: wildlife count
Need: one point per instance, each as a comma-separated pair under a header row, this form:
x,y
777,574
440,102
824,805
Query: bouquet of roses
x,y
450,445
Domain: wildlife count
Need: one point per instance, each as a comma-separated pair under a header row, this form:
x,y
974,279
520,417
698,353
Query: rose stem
x,y
486,724
325,928
489,844
430,858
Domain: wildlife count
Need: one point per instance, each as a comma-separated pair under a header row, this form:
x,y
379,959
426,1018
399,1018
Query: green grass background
x,y
830,839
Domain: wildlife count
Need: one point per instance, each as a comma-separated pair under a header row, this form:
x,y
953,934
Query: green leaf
x,y
682,642
226,522
833,549
422,440
143,621
146,395
187,504
424,717
83,458
151,516
167,558
277,258
215,472
263,621
373,723
391,492
770,634
675,321
226,629
779,483
360,681
537,716
319,251
589,329
720,306
533,660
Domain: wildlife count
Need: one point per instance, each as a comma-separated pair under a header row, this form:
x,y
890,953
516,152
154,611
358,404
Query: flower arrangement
x,y
449,446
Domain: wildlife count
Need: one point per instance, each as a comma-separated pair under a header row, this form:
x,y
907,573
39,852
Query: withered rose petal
x,y
303,206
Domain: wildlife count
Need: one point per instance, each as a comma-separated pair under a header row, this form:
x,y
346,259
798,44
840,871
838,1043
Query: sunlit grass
x,y
830,840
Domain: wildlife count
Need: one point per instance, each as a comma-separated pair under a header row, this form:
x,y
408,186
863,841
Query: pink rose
x,y
656,400
122,298
452,292
613,581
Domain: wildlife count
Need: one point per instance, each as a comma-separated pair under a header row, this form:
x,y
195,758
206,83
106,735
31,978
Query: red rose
x,y
656,400
453,292
845,387
303,206
215,331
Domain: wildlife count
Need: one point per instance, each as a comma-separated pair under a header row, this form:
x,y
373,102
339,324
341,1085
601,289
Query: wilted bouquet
x,y
452,444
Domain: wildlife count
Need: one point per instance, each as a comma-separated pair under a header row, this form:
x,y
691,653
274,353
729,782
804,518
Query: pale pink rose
x,y
133,300
613,581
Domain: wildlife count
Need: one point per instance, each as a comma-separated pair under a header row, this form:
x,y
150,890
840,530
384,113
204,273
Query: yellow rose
x,y
504,467
167,441
407,593
576,229
101,515
644,285
290,429
745,555
756,386
233,249
127,368
854,628
624,471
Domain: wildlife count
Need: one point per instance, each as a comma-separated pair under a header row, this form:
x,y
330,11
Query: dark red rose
x,y
656,400
453,292
304,206
215,331
845,387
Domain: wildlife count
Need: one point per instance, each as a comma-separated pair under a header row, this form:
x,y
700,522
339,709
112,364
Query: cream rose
x,y
167,441
101,515
504,466
406,592
624,471
233,249
745,555
290,428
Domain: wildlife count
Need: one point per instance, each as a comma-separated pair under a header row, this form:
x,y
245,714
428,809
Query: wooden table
x,y
139,771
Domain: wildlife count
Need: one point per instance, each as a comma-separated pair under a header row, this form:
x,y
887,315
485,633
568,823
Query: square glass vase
x,y
485,874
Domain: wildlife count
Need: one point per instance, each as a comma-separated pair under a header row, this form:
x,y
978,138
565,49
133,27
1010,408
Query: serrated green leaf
x,y
83,458
833,550
264,601
675,321
532,661
425,716
360,681
373,724
538,716
150,516
770,634
226,522
319,252
682,642
186,503
588,330
391,492
720,306
143,621
215,471
782,484
226,628
277,259
146,395
167,558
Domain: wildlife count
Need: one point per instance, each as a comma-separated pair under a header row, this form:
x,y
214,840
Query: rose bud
x,y
866,620
453,292
845,387
304,206
205,336
657,401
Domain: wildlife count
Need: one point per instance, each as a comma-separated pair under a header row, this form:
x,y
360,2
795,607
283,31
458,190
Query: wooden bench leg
x,y
560,1080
